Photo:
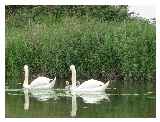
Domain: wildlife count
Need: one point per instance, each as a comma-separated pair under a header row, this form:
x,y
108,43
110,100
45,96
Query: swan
x,y
78,83
68,86
90,85
38,83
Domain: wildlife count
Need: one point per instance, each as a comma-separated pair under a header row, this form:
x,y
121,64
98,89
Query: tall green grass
x,y
118,50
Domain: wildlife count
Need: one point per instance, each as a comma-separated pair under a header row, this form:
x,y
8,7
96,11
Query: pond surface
x,y
62,103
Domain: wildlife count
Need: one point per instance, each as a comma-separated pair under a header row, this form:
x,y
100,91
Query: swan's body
x,y
42,82
90,85
38,83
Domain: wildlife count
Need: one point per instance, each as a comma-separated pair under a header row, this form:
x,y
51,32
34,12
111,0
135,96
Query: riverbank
x,y
117,49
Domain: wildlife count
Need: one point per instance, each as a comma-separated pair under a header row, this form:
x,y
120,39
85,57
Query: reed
x,y
109,49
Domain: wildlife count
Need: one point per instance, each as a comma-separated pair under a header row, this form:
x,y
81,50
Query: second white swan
x,y
90,85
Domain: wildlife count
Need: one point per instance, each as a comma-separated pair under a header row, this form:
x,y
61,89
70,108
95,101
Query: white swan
x,y
68,86
90,85
38,83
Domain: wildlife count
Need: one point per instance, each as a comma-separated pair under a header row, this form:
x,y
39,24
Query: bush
x,y
109,49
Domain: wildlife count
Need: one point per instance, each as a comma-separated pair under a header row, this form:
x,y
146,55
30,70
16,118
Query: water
x,y
62,103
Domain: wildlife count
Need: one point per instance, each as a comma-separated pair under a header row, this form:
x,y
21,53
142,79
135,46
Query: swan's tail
x,y
52,82
105,86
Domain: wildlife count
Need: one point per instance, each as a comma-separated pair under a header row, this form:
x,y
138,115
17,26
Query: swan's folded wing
x,y
40,81
90,84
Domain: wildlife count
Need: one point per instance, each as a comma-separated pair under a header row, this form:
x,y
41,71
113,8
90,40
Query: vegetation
x,y
100,42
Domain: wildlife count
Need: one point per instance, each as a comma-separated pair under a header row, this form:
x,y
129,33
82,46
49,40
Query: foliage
x,y
100,45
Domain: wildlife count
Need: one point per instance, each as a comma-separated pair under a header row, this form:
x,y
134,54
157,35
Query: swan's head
x,y
67,83
25,67
72,67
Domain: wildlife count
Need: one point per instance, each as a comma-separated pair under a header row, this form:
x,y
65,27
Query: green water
x,y
61,103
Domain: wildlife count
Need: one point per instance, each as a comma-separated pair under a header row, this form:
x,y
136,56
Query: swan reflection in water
x,y
92,98
39,95
44,95
74,105
26,99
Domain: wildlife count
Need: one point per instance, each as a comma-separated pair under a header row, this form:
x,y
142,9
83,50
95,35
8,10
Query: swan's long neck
x,y
73,78
25,84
